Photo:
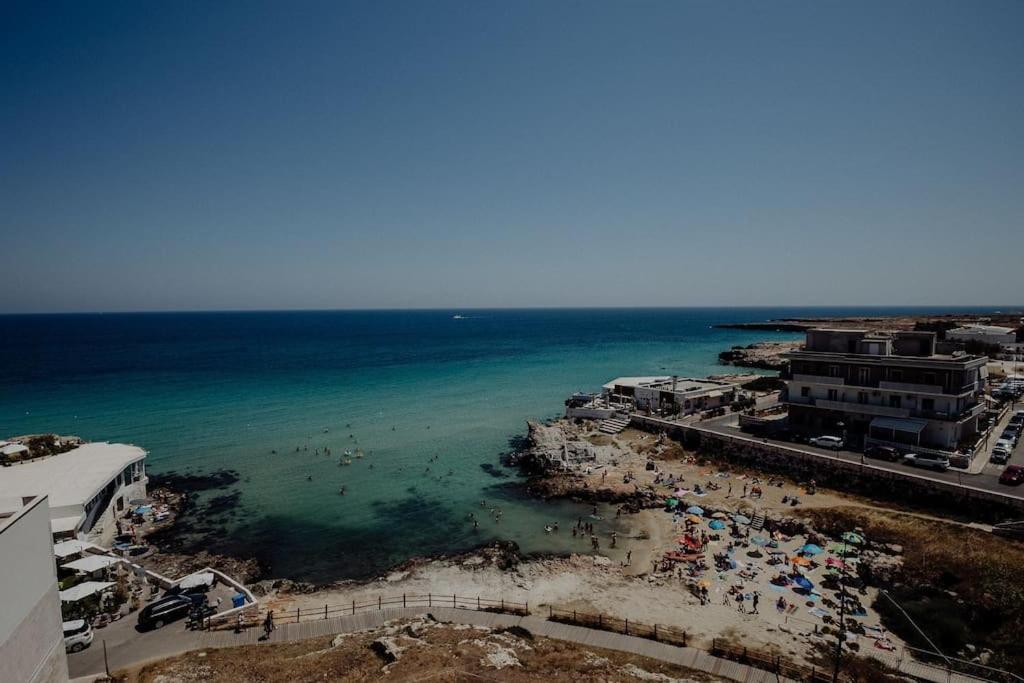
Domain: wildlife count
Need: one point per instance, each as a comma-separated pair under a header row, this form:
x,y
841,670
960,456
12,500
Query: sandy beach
x,y
645,590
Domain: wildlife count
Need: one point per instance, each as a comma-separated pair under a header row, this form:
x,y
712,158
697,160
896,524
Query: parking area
x,y
986,479
1016,457
125,641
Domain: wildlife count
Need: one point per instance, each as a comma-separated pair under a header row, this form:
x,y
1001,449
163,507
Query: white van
x,y
77,635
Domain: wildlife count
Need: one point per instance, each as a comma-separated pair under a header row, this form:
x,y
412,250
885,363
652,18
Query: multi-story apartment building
x,y
884,388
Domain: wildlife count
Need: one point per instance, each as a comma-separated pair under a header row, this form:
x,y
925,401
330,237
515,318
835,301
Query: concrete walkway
x,y
148,647
170,641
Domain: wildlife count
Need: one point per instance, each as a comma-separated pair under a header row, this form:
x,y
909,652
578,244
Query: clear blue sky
x,y
219,155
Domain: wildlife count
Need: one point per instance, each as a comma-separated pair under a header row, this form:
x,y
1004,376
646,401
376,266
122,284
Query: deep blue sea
x,y
203,392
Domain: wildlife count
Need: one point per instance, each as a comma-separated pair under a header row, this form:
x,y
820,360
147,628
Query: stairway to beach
x,y
613,425
757,523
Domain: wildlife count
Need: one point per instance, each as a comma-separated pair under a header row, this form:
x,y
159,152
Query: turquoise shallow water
x,y
204,392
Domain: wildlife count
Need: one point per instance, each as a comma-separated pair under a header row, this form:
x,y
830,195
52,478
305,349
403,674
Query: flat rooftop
x,y
71,478
683,384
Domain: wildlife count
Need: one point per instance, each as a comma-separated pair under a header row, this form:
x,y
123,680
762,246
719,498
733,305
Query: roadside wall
x,y
867,479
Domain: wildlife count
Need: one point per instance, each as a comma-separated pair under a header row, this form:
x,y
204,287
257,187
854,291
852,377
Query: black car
x,y
883,453
165,610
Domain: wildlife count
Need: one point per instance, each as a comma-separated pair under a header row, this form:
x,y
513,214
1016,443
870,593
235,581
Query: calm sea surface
x,y
208,391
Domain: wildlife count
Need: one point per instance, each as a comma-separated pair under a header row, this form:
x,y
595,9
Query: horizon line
x,y
455,309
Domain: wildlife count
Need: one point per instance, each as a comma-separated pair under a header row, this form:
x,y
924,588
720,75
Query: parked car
x,y
1001,453
77,635
883,453
1012,475
935,462
833,442
1013,429
165,610
1017,419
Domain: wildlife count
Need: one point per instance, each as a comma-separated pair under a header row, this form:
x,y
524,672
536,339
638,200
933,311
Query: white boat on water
x,y
458,317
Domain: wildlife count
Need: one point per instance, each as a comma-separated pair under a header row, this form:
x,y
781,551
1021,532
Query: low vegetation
x,y
962,586
412,651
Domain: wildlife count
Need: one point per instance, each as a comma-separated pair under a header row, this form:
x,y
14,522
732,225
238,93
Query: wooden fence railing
x,y
299,614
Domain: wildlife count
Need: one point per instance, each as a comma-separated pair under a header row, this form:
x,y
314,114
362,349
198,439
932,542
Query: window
x,y
833,371
862,397
805,391
863,376
929,378
833,395
895,375
928,404
895,401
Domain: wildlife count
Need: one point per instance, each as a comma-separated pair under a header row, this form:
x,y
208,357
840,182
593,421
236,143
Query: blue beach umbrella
x,y
741,519
694,510
811,549
803,582
759,541
717,524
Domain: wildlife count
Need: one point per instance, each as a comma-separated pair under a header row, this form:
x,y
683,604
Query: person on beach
x,y
729,495
629,557
268,625
754,600
739,603
615,537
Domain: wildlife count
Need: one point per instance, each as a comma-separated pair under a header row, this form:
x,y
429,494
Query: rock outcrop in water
x,y
550,451
762,355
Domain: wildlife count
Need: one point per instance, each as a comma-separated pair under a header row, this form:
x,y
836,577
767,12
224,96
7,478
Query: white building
x,y
670,395
31,635
87,487
986,334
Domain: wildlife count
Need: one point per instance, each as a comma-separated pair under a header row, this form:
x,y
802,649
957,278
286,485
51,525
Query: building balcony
x,y
818,379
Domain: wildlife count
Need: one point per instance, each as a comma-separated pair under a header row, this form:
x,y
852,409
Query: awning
x,y
84,590
196,580
715,393
72,547
90,563
899,424
64,524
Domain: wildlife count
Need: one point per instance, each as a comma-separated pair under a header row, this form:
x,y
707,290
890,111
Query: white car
x,y
1000,454
833,442
77,635
935,462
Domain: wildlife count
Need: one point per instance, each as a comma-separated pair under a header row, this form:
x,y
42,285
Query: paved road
x,y
987,480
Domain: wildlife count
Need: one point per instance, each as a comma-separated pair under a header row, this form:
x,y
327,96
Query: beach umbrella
x,y
719,515
851,537
741,519
671,502
803,582
695,510
717,524
811,549
694,518
759,541
802,561
833,562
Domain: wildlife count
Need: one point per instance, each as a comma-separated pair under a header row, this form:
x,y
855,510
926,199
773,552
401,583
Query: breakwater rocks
x,y
761,355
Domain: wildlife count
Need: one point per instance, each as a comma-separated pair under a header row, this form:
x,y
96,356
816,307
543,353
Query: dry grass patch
x,y
437,652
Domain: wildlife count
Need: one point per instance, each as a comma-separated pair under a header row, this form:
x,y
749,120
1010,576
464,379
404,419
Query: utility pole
x,y
916,627
842,616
